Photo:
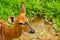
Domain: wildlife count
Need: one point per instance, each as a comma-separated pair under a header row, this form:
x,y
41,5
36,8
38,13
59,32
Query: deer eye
x,y
21,23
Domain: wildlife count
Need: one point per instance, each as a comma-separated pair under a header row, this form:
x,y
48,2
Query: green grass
x,y
51,9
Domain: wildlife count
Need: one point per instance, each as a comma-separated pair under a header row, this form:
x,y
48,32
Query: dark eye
x,y
21,23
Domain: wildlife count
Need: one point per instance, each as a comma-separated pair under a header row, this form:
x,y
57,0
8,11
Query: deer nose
x,y
32,31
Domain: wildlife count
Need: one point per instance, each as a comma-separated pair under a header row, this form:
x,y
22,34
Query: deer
x,y
21,23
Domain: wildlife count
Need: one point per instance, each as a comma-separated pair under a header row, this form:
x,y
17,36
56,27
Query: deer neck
x,y
15,31
17,28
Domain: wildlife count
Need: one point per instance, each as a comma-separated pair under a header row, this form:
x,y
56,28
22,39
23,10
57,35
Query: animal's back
x,y
3,26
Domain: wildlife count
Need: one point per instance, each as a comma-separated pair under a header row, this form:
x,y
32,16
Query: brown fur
x,y
14,32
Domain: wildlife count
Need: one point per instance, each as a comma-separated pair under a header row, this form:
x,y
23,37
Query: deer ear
x,y
23,11
11,20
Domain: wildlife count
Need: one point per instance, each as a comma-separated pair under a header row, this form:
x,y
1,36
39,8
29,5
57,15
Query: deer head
x,y
22,20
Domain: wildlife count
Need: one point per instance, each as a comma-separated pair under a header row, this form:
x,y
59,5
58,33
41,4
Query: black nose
x,y
32,31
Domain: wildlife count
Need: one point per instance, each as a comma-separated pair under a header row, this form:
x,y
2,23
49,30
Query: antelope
x,y
21,23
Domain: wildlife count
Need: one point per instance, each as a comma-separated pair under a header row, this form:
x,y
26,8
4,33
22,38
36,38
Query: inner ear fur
x,y
11,19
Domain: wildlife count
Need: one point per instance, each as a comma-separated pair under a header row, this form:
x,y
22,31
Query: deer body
x,y
9,32
20,23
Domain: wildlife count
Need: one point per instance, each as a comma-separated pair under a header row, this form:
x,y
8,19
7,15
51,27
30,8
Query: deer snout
x,y
32,31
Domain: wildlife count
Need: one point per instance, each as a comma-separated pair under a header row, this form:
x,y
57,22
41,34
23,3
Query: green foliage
x,y
51,9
